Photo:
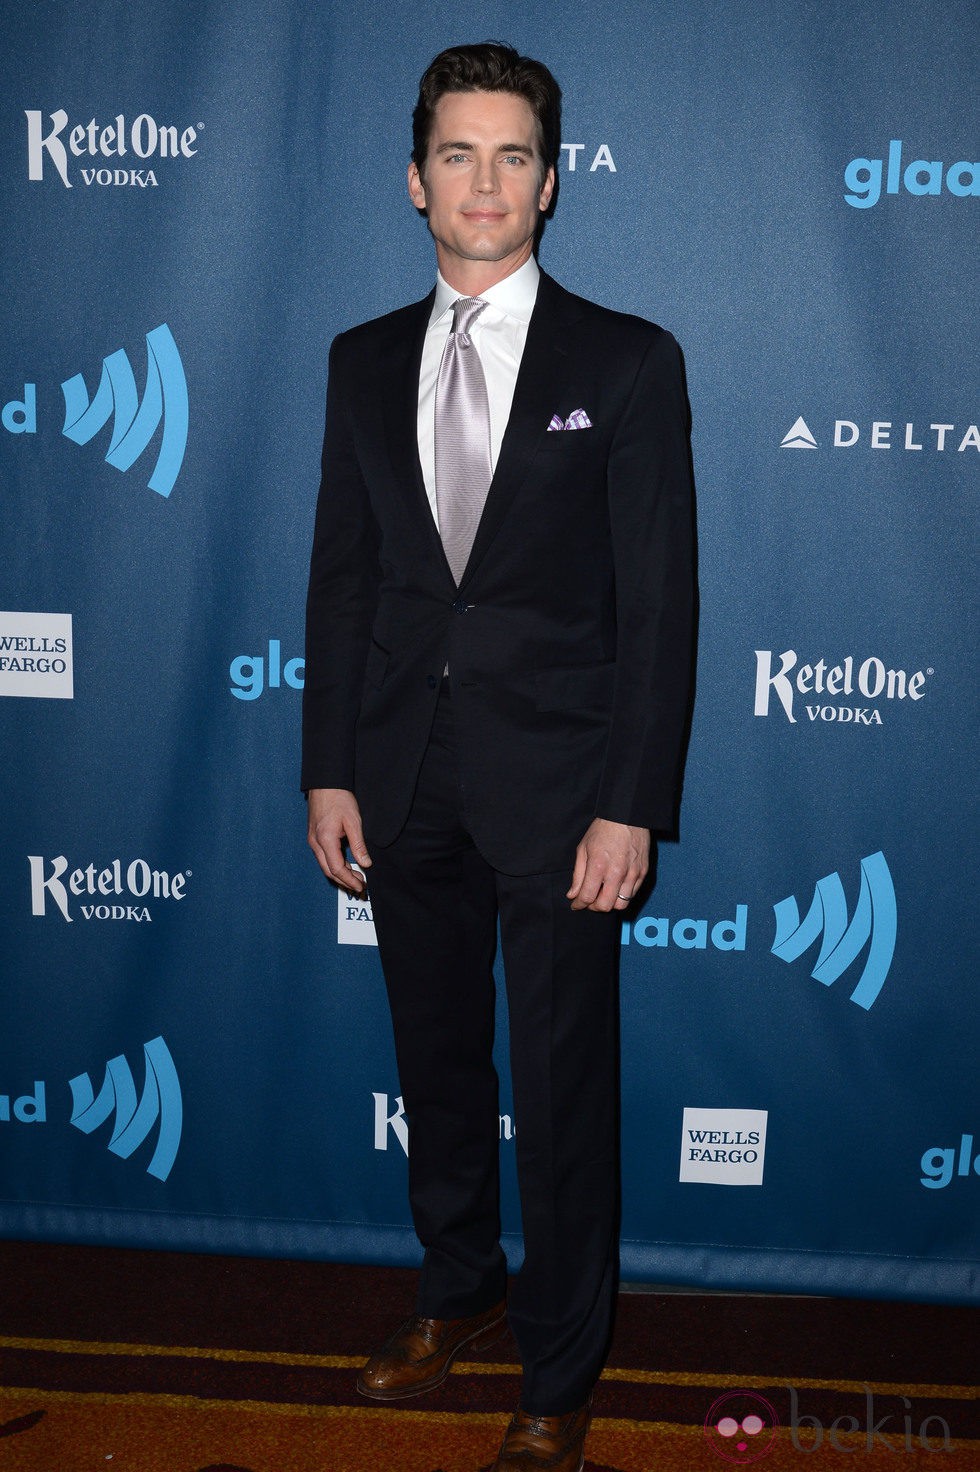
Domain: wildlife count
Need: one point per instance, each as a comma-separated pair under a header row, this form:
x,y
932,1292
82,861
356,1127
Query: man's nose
x,y
486,179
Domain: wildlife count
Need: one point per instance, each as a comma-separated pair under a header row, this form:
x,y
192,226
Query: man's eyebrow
x,y
500,148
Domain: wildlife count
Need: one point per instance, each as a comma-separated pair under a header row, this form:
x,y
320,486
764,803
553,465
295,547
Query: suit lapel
x,y
399,389
540,379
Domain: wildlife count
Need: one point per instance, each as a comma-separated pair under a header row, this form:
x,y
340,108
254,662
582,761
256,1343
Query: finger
x,y
578,874
318,852
627,887
354,882
588,890
618,888
355,838
607,898
331,868
334,864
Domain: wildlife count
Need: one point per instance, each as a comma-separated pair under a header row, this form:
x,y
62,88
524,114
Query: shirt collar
x,y
514,296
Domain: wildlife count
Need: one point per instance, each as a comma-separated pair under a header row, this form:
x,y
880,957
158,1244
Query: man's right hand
x,y
335,818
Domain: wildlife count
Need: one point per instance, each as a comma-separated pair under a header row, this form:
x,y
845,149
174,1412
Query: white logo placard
x,y
35,655
724,1147
355,922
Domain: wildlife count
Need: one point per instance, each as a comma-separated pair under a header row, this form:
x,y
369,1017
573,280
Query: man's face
x,y
483,191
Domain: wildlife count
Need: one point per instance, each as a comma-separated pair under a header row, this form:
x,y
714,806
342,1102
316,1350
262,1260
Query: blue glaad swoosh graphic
x,y
161,1100
134,423
875,919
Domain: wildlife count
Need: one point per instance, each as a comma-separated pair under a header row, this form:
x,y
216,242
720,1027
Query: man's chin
x,y
484,247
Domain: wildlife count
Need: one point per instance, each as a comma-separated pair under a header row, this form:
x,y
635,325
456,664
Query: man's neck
x,y
472,278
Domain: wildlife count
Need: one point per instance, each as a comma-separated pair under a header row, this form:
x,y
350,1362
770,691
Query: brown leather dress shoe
x,y
548,1443
419,1355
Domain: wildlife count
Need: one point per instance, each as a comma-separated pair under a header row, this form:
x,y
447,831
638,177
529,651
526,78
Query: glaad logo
x,y
875,920
35,655
143,138
724,1147
28,1109
248,673
874,680
398,1124
688,935
847,432
922,176
134,422
937,1165
138,881
134,1119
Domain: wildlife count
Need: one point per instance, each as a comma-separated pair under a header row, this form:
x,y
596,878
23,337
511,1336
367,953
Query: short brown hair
x,y
489,67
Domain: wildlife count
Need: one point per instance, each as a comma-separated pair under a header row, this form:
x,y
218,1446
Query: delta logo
x,y
884,434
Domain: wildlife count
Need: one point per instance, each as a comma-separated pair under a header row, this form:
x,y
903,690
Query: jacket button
x,y
460,606
431,681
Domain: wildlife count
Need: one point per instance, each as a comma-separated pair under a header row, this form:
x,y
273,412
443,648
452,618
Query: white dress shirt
x,y
499,335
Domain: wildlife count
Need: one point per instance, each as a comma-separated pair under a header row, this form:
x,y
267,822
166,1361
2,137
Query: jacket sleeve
x,y
341,599
651,510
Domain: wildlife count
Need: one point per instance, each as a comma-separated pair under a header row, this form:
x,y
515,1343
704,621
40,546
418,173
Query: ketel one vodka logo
x,y
120,152
833,689
113,892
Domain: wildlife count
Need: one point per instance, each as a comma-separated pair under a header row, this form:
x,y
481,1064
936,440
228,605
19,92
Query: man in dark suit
x,y
497,679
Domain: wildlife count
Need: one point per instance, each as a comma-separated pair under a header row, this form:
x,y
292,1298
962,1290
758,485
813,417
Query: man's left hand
x,y
611,863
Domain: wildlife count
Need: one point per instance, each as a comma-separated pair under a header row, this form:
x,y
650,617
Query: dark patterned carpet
x,y
163,1362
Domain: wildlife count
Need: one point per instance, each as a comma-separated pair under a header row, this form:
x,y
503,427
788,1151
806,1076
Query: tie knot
x,y
466,309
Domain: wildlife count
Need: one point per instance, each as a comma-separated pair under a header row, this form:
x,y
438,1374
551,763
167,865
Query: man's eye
x,y
514,158
457,158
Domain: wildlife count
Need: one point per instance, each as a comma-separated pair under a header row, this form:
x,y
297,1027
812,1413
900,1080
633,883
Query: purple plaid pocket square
x,y
577,420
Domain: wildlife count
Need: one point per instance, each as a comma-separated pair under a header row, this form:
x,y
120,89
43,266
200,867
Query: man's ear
x,y
547,190
416,189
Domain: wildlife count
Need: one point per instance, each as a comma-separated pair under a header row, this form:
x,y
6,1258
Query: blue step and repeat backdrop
x,y
195,1050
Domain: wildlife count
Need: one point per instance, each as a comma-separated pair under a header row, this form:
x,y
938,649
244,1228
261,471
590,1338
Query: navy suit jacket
x,y
569,637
